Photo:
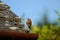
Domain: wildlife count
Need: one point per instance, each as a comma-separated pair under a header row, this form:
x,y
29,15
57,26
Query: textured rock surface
x,y
9,21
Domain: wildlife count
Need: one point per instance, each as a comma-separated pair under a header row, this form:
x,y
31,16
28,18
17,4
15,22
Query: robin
x,y
29,23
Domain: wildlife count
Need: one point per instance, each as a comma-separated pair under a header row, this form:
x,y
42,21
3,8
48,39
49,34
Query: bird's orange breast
x,y
28,21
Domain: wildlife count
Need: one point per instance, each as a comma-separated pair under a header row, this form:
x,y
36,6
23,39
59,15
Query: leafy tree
x,y
58,17
45,19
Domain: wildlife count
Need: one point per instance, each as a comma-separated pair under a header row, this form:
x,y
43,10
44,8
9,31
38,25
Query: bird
x,y
29,23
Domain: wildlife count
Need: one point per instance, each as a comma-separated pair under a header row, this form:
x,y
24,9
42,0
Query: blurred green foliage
x,y
47,34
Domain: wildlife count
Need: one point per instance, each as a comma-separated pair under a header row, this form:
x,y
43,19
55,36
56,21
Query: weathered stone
x,y
10,21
